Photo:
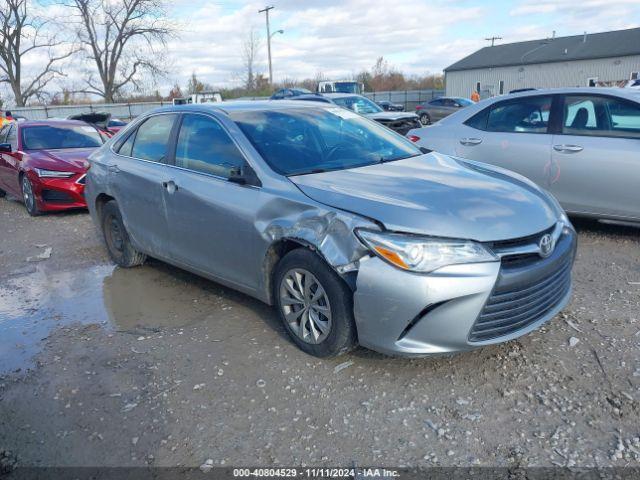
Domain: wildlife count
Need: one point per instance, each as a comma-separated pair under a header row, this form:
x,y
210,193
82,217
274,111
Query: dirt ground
x,y
101,366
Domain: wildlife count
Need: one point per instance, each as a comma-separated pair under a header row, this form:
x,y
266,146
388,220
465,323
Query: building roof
x,y
618,43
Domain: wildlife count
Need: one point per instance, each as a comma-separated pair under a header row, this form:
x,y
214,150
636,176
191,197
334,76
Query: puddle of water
x,y
132,300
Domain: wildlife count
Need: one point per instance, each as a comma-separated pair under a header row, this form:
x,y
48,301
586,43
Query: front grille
x,y
56,196
516,303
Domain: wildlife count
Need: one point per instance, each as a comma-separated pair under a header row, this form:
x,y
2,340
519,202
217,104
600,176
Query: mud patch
x,y
153,298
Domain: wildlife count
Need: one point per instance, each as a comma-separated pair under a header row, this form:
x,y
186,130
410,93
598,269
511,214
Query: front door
x,y
211,219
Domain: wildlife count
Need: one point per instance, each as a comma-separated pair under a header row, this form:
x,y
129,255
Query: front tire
x,y
314,304
28,197
117,239
425,119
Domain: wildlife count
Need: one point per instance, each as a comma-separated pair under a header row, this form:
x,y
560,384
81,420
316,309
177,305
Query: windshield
x,y
358,104
346,87
49,137
313,140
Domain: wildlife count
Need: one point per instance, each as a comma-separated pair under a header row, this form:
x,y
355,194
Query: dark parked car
x,y
391,107
401,122
438,108
289,93
101,120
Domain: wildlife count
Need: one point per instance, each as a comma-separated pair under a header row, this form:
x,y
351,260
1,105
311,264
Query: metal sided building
x,y
595,59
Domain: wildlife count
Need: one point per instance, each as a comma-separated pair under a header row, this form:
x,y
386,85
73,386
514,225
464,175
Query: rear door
x,y
211,219
137,174
596,156
513,134
436,109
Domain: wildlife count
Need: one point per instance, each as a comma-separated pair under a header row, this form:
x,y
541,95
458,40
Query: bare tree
x,y
22,34
250,48
124,39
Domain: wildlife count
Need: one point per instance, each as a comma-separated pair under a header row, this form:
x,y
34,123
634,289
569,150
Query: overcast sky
x,y
341,37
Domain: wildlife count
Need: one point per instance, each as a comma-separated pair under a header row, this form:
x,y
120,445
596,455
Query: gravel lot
x,y
154,366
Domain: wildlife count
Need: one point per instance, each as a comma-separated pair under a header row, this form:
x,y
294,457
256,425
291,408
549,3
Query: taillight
x,y
419,107
413,138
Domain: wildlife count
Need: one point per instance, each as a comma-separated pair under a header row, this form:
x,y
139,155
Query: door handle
x,y
114,169
470,141
567,148
170,186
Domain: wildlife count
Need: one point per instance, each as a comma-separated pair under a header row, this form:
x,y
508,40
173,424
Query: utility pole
x,y
266,12
493,40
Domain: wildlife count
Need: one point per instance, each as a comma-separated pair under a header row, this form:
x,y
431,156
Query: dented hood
x,y
437,195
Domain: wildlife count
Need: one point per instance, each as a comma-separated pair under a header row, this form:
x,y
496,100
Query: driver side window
x,y
204,146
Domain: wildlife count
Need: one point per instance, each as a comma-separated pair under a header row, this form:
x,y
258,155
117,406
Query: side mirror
x,y
425,150
244,176
5,148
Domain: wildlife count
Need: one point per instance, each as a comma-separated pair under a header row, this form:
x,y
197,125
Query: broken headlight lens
x,y
423,254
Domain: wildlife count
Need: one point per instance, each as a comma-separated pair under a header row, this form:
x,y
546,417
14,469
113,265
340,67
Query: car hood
x,y
437,195
69,159
391,116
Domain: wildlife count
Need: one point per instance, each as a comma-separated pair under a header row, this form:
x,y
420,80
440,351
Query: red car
x,y
44,163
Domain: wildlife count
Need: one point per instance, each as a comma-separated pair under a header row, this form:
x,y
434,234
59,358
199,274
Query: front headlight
x,y
423,254
42,173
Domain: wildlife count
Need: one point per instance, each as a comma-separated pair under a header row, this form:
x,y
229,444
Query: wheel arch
x,y
100,202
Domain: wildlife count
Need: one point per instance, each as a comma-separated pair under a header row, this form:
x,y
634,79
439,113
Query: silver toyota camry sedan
x,y
352,232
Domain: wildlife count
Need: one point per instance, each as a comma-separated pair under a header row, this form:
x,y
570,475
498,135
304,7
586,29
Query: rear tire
x,y
28,197
119,246
425,119
314,304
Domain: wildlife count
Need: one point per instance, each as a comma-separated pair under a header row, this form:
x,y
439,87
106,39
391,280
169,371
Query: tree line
x,y
121,44
119,40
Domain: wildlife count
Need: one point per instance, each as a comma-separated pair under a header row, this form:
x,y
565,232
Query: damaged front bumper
x,y
460,307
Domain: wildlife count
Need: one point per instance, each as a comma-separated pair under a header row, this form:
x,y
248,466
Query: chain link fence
x,y
128,111
409,98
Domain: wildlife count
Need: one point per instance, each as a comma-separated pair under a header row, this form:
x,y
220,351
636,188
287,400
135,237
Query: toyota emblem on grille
x,y
546,245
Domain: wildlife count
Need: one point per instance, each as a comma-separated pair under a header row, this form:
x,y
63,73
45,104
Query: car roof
x,y
52,123
242,106
623,92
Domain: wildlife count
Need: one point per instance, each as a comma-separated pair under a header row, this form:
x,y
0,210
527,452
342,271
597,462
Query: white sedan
x,y
582,144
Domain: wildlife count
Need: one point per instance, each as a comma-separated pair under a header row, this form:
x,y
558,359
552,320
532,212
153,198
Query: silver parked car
x,y
581,144
439,108
350,230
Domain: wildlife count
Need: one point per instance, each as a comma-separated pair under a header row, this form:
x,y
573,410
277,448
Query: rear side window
x,y
126,146
601,116
152,138
479,120
524,115
204,146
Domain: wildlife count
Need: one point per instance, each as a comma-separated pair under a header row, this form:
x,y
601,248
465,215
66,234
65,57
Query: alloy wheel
x,y
27,194
305,306
425,120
